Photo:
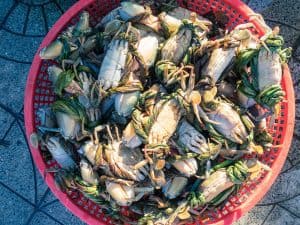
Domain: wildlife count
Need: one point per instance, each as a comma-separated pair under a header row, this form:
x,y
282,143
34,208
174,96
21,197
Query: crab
x,y
265,70
172,20
222,182
190,139
222,52
76,40
121,58
60,152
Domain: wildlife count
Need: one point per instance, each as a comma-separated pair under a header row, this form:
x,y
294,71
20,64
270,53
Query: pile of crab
x,y
160,110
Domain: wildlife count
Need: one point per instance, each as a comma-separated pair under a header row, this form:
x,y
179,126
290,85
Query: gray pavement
x,y
24,197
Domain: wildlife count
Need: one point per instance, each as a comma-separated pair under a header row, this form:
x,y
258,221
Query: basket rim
x,y
252,200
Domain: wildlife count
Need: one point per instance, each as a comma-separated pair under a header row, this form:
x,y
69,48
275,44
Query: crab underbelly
x,y
167,120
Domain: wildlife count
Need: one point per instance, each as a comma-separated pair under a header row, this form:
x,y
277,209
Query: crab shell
x,y
113,64
153,22
230,123
191,139
125,102
69,126
89,150
174,187
173,20
177,45
58,152
215,184
165,123
46,116
220,59
83,26
87,173
53,72
187,167
130,10
130,138
121,161
269,69
122,194
170,22
182,13
52,51
147,48
244,100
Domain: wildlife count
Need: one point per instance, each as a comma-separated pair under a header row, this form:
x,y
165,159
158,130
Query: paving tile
x,y
52,14
48,199
5,7
35,2
284,11
41,219
287,166
286,187
17,170
18,47
13,78
19,175
292,205
36,23
65,4
294,153
259,5
62,214
279,216
255,216
13,210
16,19
5,120
294,67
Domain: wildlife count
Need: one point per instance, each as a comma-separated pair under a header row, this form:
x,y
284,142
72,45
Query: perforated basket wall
x,y
39,93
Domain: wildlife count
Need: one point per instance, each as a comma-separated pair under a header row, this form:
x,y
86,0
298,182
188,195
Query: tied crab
x,y
172,20
224,180
217,57
75,41
264,63
176,52
149,124
121,58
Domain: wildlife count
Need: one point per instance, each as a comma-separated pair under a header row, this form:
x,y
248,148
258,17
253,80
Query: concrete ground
x,y
24,197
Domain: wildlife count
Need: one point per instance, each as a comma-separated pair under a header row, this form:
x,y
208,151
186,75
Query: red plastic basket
x,y
39,93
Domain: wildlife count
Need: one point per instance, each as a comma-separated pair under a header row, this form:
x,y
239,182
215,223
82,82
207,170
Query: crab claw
x,y
174,187
239,134
52,51
122,194
87,173
83,26
157,177
187,167
230,123
130,10
195,99
59,153
191,138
